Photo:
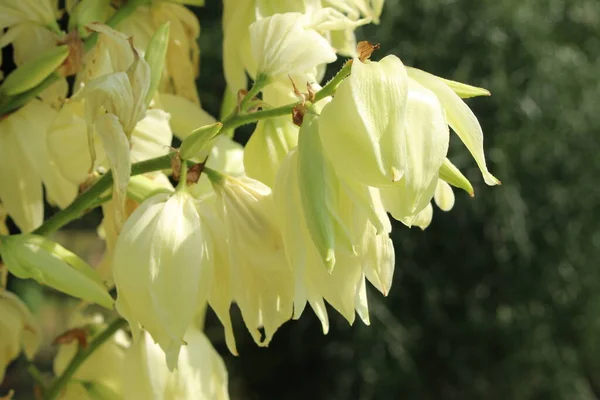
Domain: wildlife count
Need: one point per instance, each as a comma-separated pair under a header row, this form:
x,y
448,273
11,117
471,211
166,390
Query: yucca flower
x,y
156,268
183,54
262,283
342,286
201,374
26,164
18,330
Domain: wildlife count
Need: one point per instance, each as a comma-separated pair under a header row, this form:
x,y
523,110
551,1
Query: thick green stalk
x,y
82,355
90,197
331,86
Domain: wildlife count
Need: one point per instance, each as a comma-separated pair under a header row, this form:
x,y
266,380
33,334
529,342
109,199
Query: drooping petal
x,y
118,155
444,196
423,152
460,118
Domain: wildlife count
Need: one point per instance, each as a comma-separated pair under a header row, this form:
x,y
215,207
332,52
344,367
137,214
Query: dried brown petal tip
x,y
176,166
298,114
193,174
365,49
78,335
74,61
311,92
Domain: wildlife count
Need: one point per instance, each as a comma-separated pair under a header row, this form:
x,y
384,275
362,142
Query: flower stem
x,y
331,86
90,197
81,355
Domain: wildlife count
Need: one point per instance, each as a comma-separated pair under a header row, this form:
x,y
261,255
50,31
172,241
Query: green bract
x,y
29,256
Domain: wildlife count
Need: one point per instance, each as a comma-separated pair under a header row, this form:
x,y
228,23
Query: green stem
x,y
90,197
80,357
37,377
260,82
331,86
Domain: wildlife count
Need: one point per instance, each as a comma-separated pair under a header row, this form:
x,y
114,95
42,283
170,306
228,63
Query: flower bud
x,y
262,283
19,330
156,268
30,256
452,175
155,57
32,73
198,140
201,374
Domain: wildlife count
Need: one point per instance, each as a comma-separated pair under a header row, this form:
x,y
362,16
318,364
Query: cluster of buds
x,y
299,216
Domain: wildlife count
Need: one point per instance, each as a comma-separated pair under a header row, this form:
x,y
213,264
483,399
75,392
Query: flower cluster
x,y
298,217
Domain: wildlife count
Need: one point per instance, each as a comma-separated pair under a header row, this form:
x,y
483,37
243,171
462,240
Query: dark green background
x,y
498,299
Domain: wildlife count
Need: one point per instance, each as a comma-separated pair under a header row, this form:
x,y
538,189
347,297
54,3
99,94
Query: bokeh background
x,y
497,299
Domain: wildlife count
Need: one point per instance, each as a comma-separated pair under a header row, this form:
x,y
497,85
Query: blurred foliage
x,y
500,298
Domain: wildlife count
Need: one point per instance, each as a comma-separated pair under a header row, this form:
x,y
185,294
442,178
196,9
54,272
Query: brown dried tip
x,y
72,64
78,335
240,96
298,114
296,91
365,49
194,173
311,92
176,166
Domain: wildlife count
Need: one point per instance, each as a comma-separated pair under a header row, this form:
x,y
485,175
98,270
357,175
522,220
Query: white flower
x,y
267,148
182,60
201,374
344,286
282,44
262,284
25,164
460,117
18,330
156,269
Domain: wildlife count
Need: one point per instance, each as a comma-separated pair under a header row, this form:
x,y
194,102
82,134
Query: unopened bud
x,y
452,175
30,256
198,140
32,73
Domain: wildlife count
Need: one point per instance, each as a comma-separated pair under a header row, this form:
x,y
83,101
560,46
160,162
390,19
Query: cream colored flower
x,y
201,374
183,54
460,117
344,286
18,330
267,148
262,282
25,165
156,269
